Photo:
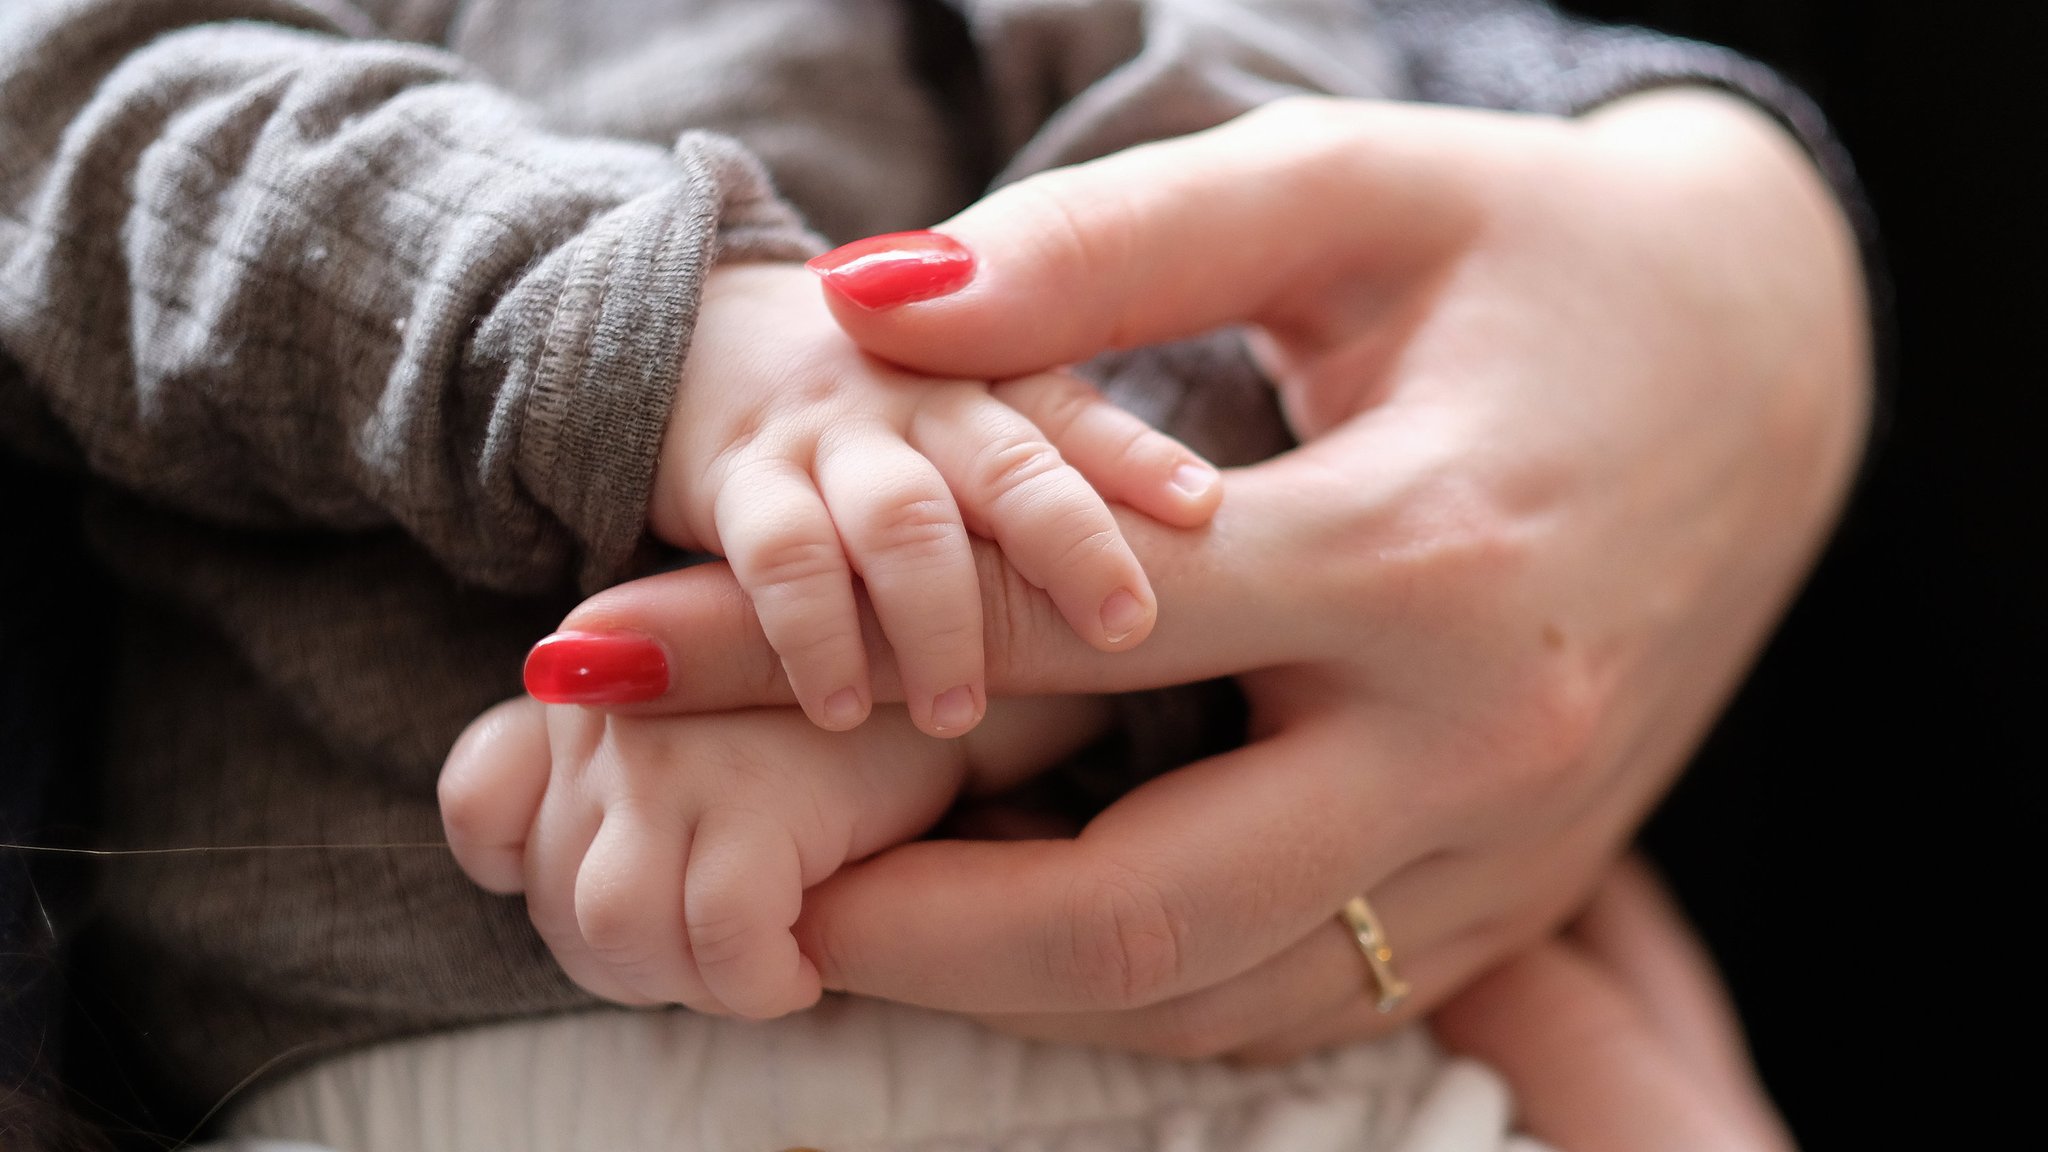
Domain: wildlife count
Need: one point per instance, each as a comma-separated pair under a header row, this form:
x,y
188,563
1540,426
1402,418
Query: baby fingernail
x,y
596,668
1121,615
842,708
1193,480
900,268
953,709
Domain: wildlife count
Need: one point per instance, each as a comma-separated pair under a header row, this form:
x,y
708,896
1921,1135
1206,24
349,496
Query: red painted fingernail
x,y
898,268
596,668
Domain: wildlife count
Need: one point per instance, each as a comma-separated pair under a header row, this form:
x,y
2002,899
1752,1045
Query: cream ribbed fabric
x,y
860,1076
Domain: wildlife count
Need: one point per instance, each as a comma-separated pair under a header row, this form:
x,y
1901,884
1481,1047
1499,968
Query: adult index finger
x,y
1298,214
1191,879
689,641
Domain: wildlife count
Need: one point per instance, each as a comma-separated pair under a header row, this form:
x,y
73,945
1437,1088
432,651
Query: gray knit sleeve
x,y
261,271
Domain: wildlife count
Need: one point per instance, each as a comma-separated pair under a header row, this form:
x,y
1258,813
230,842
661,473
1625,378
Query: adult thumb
x,y
1296,215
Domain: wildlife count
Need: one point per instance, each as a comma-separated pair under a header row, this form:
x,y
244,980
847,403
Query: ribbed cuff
x,y
613,350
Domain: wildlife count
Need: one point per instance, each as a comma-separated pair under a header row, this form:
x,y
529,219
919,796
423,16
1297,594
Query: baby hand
x,y
664,858
804,462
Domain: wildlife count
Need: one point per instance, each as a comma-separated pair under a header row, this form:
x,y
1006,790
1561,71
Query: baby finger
x,y
780,540
1053,526
490,787
629,908
904,535
562,834
743,890
1126,459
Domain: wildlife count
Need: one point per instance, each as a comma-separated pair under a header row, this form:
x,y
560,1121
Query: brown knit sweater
x,y
364,319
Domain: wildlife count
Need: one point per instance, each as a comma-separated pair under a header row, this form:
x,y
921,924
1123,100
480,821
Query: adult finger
x,y
1455,914
1448,916
1170,239
1218,609
1587,1071
1571,1031
1635,928
1320,975
1633,924
1127,914
490,786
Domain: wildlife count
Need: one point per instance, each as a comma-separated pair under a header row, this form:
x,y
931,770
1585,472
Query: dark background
x,y
1858,838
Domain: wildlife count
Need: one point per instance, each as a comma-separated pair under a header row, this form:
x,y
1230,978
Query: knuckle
x,y
1093,543
1537,736
615,926
1477,556
1055,401
1007,470
1125,942
1137,445
912,526
719,935
818,640
1438,555
1552,720
791,560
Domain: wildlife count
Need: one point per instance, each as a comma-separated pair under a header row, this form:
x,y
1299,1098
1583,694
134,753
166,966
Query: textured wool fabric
x,y
364,320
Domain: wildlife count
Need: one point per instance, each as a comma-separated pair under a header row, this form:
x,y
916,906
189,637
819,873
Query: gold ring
x,y
1379,956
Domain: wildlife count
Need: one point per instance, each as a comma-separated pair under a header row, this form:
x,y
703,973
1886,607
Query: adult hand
x,y
1617,1035
1582,398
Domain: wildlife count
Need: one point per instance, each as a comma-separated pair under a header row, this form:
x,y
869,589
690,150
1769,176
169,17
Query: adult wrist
x,y
1741,192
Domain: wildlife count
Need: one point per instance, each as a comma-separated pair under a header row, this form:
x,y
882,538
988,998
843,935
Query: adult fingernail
x,y
898,268
843,709
1121,616
1193,480
954,709
596,668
